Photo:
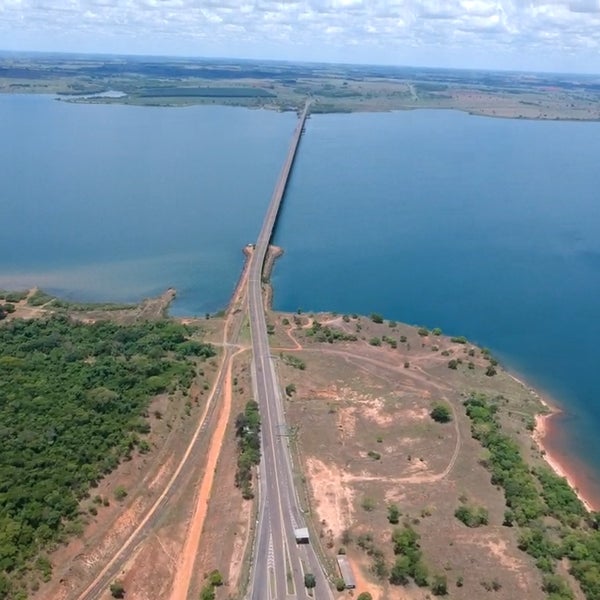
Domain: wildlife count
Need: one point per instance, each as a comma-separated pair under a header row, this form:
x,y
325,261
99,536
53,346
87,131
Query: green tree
x,y
393,514
400,572
215,578
364,596
441,413
207,592
557,587
472,516
309,581
117,590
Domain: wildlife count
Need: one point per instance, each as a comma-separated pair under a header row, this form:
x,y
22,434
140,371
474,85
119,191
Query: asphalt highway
x,y
279,563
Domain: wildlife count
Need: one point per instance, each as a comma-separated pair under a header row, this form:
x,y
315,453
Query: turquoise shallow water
x,y
118,202
487,228
484,227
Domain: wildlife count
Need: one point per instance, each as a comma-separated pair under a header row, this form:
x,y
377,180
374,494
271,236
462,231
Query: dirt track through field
x,y
359,361
231,329
185,566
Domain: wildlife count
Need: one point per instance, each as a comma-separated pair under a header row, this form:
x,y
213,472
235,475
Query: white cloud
x,y
495,33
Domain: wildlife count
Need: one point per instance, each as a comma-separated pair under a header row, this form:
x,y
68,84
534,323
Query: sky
x,y
538,35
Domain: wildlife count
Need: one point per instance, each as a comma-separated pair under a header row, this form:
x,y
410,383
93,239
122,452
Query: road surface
x,y
279,563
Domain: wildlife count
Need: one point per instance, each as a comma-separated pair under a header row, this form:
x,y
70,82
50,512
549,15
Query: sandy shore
x,y
542,436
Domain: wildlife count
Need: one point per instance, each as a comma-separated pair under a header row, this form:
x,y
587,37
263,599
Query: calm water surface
x,y
484,227
119,202
487,228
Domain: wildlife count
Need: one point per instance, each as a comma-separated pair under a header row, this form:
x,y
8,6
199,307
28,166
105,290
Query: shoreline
x,y
542,434
545,422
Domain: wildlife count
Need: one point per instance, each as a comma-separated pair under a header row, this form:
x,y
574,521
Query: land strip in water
x,y
285,86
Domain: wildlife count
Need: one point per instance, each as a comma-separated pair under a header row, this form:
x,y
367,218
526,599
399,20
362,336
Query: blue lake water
x,y
119,202
484,227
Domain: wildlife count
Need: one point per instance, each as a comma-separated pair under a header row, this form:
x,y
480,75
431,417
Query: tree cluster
x,y
247,430
323,333
409,558
553,523
472,516
73,401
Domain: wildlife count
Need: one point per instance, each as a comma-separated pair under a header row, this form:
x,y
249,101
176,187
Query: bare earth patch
x,y
334,499
365,440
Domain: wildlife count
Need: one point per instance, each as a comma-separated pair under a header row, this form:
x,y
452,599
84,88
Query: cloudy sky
x,y
549,35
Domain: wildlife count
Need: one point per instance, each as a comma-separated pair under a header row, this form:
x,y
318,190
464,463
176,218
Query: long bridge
x,y
279,563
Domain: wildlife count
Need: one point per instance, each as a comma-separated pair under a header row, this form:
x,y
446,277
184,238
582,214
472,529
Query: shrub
x,y
365,596
120,493
215,578
368,504
376,318
441,413
117,590
375,341
423,331
472,516
293,361
393,514
439,585
207,592
453,364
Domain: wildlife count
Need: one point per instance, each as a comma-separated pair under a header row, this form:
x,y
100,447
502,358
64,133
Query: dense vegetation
x,y
72,403
323,333
472,516
409,558
12,296
204,91
553,523
247,430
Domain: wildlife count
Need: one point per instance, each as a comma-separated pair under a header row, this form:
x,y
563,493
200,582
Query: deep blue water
x,y
118,202
484,227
